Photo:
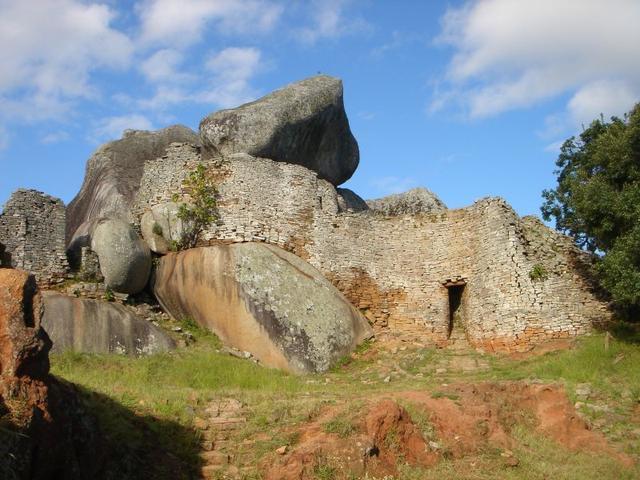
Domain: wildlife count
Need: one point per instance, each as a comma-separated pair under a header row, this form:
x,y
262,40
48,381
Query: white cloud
x,y
398,40
366,115
111,128
232,70
164,66
391,184
328,20
55,137
180,23
513,54
165,96
554,147
226,82
604,96
48,50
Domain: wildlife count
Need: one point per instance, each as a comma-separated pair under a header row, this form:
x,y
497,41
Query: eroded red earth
x,y
464,419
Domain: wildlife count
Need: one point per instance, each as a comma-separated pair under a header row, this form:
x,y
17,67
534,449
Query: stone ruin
x,y
407,273
32,230
412,267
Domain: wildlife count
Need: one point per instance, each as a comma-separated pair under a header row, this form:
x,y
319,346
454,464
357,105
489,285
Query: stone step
x,y
215,457
226,423
211,472
215,435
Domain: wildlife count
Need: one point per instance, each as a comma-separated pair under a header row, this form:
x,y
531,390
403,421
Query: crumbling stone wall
x,y
32,229
395,268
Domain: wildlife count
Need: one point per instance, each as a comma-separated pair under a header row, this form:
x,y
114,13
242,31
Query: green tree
x,y
202,210
597,201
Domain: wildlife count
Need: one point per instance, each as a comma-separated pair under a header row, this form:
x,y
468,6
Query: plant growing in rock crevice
x,y
157,229
201,211
538,273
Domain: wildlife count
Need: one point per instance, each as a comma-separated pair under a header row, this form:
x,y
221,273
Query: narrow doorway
x,y
456,312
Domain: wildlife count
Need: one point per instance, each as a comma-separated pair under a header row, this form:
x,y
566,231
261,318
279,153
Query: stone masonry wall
x,y
32,228
395,268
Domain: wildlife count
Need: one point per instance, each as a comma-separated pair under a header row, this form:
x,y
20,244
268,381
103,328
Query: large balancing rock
x,y
261,299
303,123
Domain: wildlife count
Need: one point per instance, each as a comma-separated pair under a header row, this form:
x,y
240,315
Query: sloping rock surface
x,y
125,259
303,123
45,433
264,300
113,176
92,326
417,200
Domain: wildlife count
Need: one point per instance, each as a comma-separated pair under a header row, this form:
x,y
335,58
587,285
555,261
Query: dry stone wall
x,y
398,269
32,228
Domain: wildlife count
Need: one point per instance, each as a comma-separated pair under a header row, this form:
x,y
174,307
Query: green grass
x,y
158,383
340,426
613,371
539,458
150,402
450,396
324,472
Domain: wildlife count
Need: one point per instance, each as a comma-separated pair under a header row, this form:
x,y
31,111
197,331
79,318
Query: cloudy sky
x,y
467,98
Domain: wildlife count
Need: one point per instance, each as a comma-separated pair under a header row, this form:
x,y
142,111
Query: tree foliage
x,y
202,210
597,200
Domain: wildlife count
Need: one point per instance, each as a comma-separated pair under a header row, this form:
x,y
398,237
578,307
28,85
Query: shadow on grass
x,y
626,332
141,447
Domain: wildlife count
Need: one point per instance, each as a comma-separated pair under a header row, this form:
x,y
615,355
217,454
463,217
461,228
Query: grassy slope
x,y
147,406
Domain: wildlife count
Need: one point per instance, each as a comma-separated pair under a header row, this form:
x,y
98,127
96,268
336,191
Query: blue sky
x,y
467,98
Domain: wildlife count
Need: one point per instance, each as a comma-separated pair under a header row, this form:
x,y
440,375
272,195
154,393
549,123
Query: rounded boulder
x,y
264,300
125,260
163,229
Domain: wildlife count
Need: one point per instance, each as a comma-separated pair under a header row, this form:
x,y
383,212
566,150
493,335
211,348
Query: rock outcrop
x,y
303,123
24,346
411,202
113,176
264,300
349,201
44,431
125,260
409,264
92,326
398,269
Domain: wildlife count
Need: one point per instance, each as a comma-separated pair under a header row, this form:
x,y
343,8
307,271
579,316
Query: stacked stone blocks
x,y
32,229
395,268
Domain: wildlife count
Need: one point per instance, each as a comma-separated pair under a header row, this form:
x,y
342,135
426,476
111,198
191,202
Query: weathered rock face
x,y
113,176
303,123
45,431
417,200
162,228
83,325
349,201
125,260
264,300
24,346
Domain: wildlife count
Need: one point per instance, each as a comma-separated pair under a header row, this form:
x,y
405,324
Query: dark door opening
x,y
455,308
